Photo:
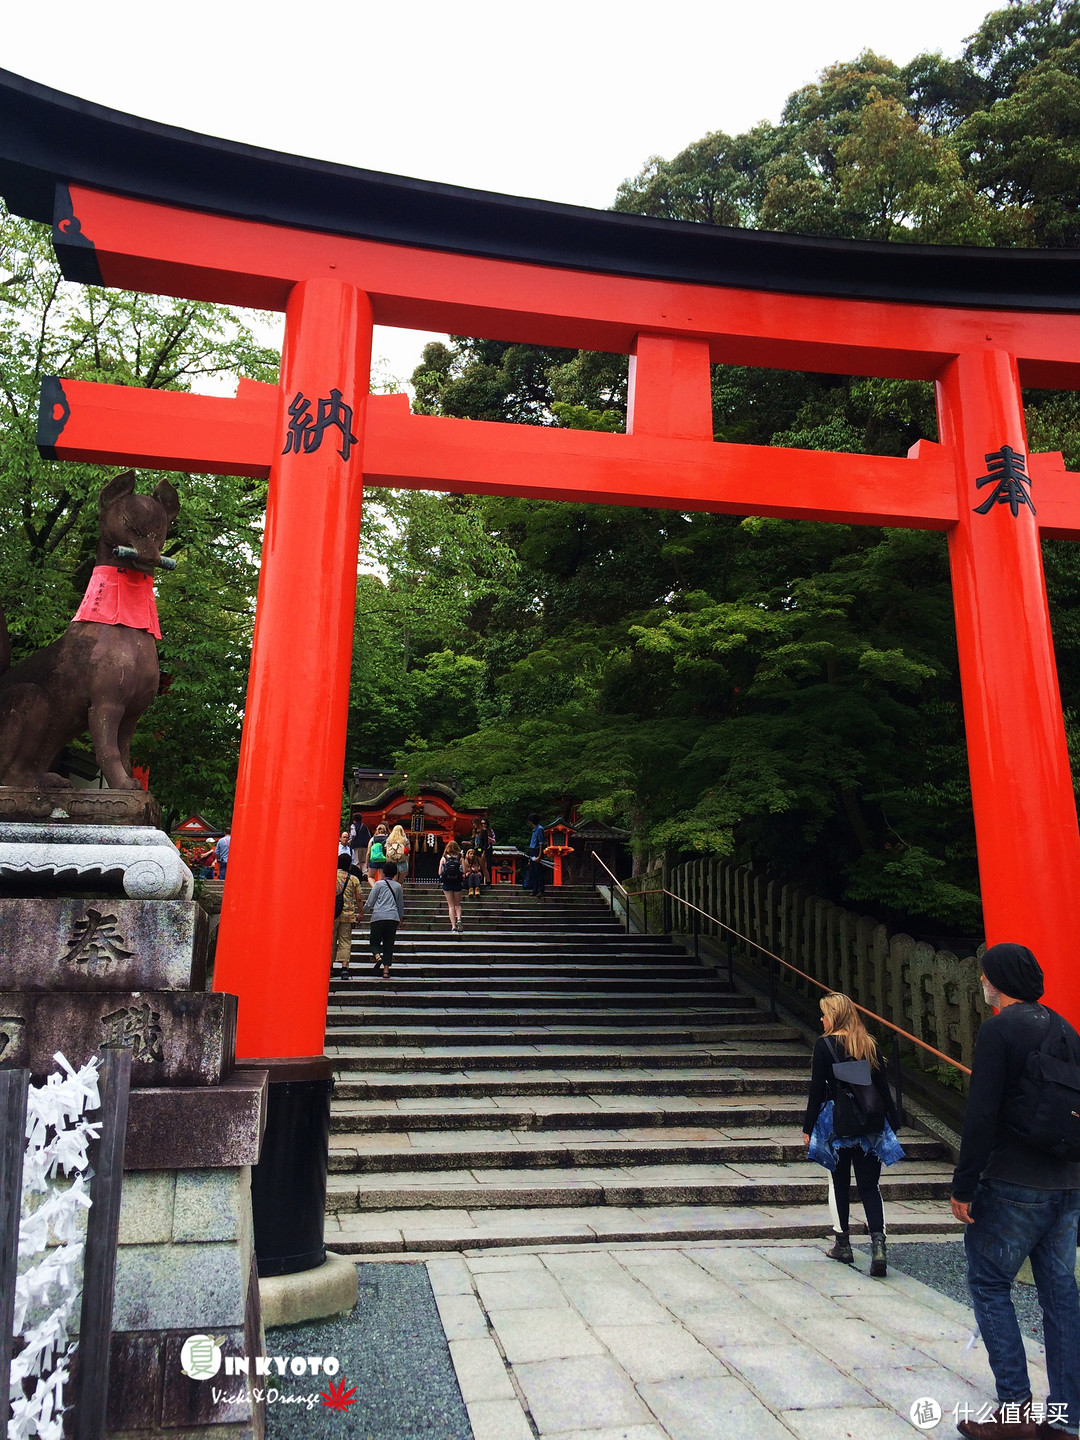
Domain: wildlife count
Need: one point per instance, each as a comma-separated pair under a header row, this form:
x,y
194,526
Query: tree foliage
x,y
783,692
48,510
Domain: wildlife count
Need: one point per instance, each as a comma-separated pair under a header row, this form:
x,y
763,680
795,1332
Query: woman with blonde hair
x,y
397,846
849,1124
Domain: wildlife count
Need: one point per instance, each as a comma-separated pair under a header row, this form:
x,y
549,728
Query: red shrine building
x,y
430,818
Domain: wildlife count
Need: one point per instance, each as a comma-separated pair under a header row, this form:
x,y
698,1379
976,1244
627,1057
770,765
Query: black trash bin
x,y
288,1185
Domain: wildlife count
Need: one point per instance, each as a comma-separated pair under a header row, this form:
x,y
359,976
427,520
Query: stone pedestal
x,y
100,942
83,807
57,857
186,1261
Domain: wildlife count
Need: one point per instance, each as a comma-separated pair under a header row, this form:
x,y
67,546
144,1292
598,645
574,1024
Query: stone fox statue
x,y
102,673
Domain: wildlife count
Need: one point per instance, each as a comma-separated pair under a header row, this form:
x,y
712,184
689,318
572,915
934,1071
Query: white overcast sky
x,y
559,100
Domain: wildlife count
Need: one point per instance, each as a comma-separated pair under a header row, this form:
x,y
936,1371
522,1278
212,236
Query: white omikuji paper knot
x,y
57,1139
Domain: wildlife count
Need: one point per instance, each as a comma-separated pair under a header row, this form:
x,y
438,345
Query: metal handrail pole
x,y
813,980
775,960
697,931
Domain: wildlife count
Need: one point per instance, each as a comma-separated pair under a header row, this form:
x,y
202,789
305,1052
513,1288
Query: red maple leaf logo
x,y
339,1398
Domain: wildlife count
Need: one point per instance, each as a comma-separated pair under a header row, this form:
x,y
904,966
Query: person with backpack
x,y
849,1124
1016,1190
376,854
348,911
397,846
387,901
452,878
359,835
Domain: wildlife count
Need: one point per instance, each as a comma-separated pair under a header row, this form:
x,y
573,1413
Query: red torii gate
x,y
147,207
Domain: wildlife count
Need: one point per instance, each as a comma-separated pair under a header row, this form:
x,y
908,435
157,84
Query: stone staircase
x,y
545,1078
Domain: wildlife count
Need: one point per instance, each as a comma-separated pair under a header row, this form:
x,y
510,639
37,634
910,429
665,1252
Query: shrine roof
x,y
197,827
394,794
49,138
598,830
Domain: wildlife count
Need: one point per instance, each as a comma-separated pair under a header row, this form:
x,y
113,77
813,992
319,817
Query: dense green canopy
x,y
785,692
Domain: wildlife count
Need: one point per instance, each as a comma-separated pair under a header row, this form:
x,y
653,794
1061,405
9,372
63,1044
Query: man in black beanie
x,y
1017,1200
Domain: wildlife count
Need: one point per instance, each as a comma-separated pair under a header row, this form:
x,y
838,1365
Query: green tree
x,y
48,514
783,692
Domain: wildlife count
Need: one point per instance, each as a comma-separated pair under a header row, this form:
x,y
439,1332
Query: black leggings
x,y
382,940
867,1174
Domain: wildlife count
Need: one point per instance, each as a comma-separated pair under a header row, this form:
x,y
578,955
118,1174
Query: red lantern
x,y
558,845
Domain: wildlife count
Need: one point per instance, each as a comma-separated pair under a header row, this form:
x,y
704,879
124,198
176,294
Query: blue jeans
x,y
1012,1223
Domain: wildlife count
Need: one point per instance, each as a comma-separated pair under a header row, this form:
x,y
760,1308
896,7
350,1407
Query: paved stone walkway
x,y
709,1341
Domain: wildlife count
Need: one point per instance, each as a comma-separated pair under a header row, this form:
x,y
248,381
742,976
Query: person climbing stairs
x,y
547,1078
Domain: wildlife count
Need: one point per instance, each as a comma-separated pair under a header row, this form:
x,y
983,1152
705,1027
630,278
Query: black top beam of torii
x,y
48,137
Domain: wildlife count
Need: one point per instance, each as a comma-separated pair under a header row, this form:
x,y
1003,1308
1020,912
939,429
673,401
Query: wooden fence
x,y
930,993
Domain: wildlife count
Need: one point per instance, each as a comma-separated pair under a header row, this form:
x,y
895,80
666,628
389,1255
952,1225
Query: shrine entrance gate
x,y
146,207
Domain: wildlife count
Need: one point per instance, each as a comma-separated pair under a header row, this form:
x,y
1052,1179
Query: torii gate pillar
x,y
276,912
1021,784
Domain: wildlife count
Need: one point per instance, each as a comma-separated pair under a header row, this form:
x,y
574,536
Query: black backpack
x,y
339,898
452,868
858,1108
1044,1110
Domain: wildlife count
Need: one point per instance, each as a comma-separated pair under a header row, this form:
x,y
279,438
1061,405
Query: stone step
x,y
476,949
433,1059
714,1081
496,1035
566,921
419,1151
452,943
494,979
775,1183
369,998
615,1017
558,1113
414,1231
545,1078
583,895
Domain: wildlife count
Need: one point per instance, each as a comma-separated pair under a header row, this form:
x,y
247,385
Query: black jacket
x,y
821,1083
988,1149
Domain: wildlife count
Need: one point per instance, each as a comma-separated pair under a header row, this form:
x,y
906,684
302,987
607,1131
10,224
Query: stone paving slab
x,y
696,1341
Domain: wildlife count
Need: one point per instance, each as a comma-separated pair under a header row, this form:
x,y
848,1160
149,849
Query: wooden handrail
x,y
898,1030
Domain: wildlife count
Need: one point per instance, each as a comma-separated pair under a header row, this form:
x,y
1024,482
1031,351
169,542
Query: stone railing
x,y
930,993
